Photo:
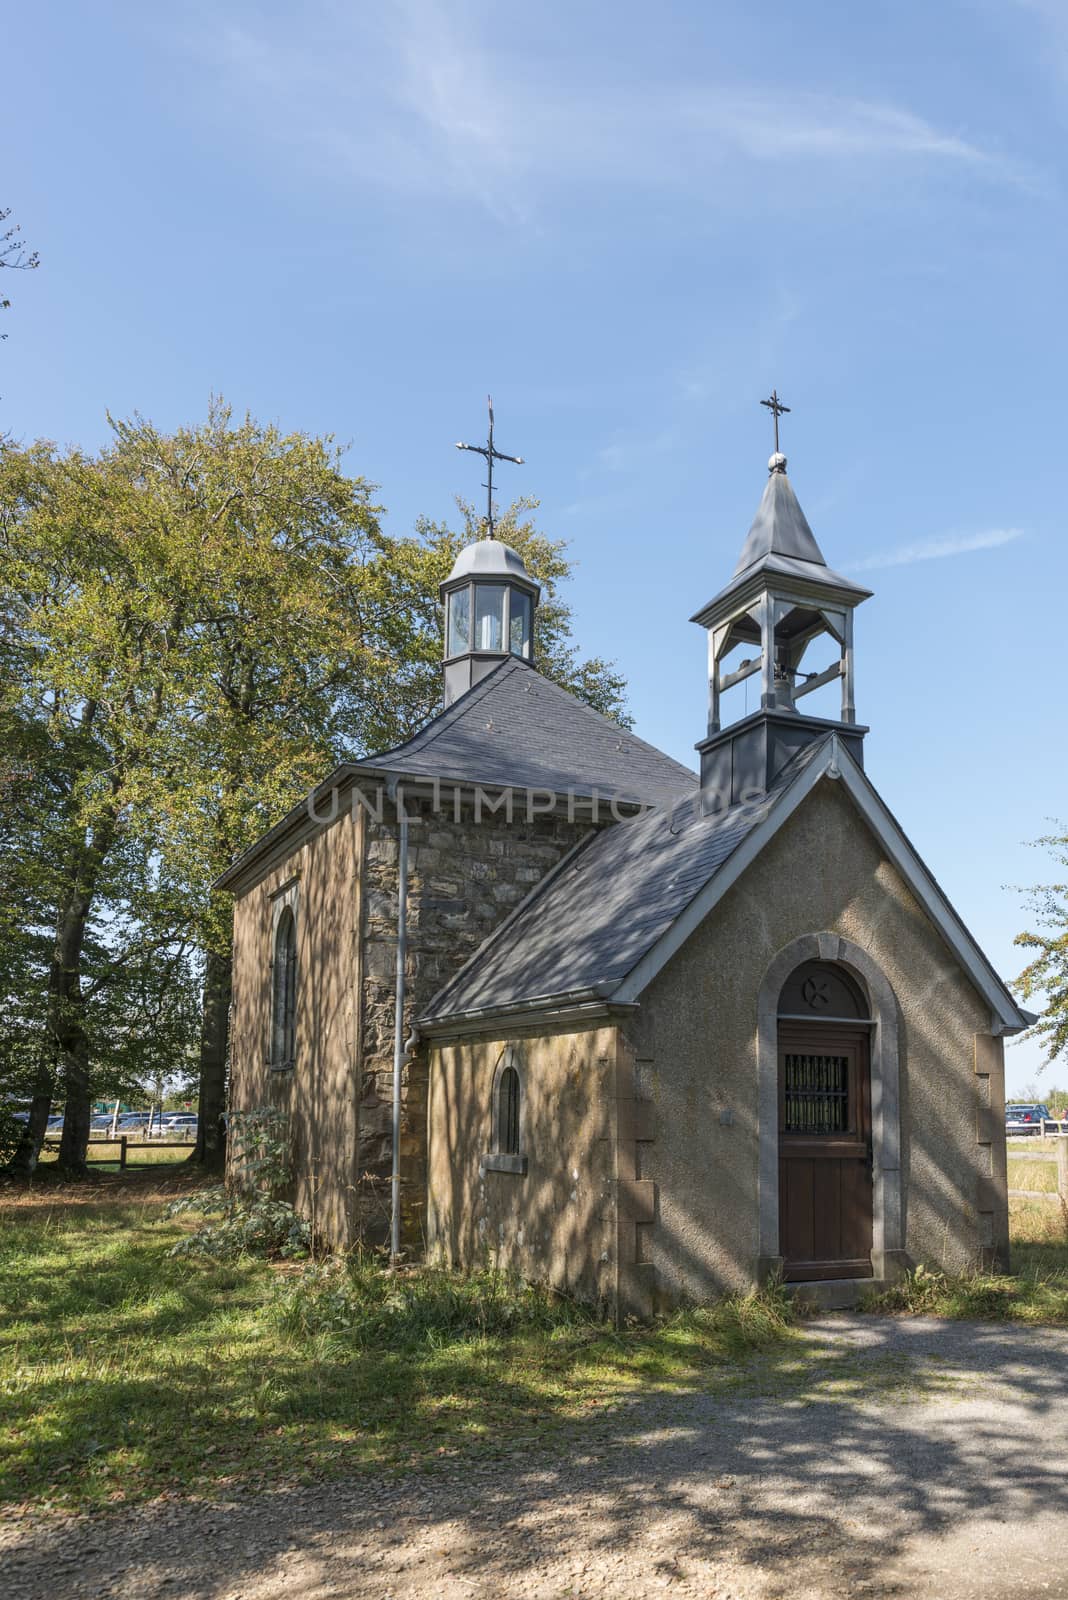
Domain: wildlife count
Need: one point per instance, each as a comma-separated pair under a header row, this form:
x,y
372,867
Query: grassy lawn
x,y
126,1372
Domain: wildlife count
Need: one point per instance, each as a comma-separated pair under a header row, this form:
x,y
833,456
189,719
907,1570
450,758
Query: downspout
x,y
397,796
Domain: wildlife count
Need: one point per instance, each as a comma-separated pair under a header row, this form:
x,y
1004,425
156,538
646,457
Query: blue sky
x,y
629,223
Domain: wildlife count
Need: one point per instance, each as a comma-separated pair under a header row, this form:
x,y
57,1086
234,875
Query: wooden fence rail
x,y
123,1141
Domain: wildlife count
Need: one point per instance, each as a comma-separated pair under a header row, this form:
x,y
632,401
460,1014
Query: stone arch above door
x,y
888,1242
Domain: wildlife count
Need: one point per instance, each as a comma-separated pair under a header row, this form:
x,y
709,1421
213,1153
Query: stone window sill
x,y
496,1162
280,1066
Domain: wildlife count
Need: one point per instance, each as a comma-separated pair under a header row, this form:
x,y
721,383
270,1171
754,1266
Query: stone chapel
x,y
644,1034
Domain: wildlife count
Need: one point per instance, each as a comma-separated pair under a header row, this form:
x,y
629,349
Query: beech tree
x,y
198,625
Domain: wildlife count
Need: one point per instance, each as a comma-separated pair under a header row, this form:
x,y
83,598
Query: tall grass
x,y
1035,1291
424,1306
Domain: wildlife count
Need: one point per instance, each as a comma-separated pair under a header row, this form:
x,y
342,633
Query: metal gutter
x,y
398,1020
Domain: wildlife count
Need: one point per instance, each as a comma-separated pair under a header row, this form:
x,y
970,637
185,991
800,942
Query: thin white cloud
x,y
421,97
936,549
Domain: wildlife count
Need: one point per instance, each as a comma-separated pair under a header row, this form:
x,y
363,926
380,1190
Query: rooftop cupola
x,y
489,596
782,600
489,613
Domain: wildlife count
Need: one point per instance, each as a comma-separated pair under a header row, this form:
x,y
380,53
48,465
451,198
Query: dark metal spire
x,y
776,407
490,454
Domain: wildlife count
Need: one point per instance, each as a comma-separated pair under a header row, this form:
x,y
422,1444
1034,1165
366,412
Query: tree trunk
x,y
210,1149
67,1036
24,1161
77,1106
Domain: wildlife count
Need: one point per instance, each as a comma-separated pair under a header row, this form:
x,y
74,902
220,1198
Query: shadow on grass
x,y
129,1374
756,1471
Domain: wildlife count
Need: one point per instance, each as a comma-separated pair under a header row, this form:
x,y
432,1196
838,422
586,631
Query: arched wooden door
x,y
825,1149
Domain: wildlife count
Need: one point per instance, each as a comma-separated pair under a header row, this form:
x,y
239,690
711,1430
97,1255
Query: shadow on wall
x,y
555,1222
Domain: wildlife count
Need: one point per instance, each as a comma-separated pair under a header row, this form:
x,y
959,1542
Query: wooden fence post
x,y
1062,1169
122,1153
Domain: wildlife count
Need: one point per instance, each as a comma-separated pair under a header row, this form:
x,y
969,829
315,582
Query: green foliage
x,y
1047,973
194,628
127,1370
980,1296
371,1306
740,1324
10,1133
242,1225
249,1218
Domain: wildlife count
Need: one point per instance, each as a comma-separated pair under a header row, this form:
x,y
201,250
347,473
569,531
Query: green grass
x,y
138,1154
1036,1291
125,1372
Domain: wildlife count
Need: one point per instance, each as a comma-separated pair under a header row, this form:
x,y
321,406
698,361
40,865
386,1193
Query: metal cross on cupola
x,y
777,409
491,454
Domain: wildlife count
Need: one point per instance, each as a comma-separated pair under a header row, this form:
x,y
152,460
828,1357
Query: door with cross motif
x,y
825,1152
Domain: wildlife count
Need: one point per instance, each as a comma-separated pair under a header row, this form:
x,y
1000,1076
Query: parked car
x,y
133,1122
1025,1118
180,1122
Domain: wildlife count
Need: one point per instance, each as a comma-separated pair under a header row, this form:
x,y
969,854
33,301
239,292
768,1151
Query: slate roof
x,y
779,528
592,919
518,729
781,542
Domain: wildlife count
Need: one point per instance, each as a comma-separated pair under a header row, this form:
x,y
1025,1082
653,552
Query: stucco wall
x,y
694,1043
557,1222
320,1092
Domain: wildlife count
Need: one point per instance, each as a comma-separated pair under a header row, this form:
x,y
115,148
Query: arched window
x,y
508,1112
823,991
284,992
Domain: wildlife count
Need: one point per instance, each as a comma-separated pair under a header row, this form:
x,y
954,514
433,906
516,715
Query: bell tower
x,y
782,599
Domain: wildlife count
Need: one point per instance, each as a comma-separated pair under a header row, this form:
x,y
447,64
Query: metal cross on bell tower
x,y
489,452
776,407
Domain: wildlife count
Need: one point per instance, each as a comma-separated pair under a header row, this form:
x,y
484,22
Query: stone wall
x,y
464,877
321,880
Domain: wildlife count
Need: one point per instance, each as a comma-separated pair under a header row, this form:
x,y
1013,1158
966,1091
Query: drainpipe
x,y
397,795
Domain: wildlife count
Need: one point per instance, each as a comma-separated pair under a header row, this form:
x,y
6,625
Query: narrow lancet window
x,y
284,995
508,1112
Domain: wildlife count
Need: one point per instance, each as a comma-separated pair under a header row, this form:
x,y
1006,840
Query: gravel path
x,y
903,1457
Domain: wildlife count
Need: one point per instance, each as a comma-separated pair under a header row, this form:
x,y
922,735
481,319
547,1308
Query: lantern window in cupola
x,y
490,600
